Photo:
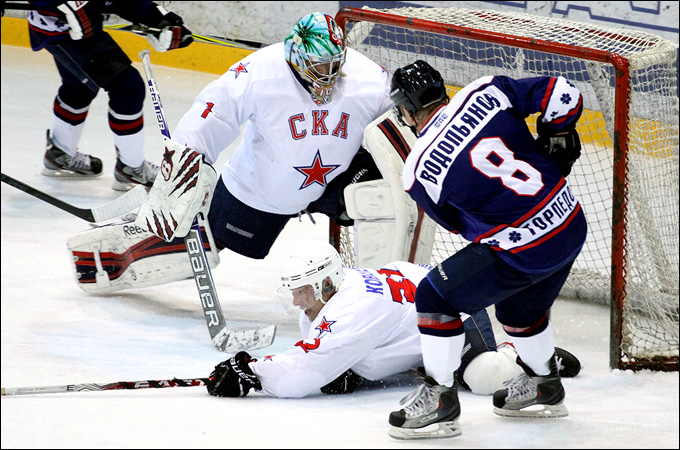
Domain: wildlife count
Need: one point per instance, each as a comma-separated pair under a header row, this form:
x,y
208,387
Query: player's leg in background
x,y
71,106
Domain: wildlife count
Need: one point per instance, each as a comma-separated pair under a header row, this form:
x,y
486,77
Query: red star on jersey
x,y
238,70
317,172
325,326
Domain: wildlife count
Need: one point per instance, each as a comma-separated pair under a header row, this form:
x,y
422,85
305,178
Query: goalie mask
x,y
316,50
310,267
415,87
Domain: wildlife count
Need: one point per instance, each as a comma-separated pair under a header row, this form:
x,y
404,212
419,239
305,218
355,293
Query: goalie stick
x,y
118,385
114,209
223,338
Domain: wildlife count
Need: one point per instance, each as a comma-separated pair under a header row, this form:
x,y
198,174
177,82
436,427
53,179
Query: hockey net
x,y
627,176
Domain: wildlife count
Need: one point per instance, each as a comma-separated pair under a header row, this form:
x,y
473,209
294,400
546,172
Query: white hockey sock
x,y
536,351
130,146
67,136
441,356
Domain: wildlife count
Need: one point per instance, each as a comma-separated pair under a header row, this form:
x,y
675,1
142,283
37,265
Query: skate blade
x,y
535,411
63,173
433,431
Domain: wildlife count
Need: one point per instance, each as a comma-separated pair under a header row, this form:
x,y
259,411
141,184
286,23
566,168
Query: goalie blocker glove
x,y
233,377
564,146
183,188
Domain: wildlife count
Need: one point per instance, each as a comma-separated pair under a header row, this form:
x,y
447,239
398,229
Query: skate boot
x,y
530,395
567,364
58,163
431,411
126,177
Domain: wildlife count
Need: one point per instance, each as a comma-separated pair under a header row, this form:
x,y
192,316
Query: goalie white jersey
x,y
369,325
292,147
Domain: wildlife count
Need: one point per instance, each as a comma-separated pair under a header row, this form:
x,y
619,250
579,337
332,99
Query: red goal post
x,y
627,178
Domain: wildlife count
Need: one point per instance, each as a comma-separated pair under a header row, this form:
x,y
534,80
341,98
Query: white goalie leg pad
x,y
124,256
386,219
381,224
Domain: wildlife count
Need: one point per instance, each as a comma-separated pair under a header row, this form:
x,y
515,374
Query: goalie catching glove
x,y
233,377
564,146
183,188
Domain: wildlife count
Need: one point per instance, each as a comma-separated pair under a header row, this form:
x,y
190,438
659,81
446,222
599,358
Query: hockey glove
x,y
84,18
233,377
564,146
183,188
173,34
344,384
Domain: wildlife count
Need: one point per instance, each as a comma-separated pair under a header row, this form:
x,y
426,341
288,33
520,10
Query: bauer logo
x,y
201,276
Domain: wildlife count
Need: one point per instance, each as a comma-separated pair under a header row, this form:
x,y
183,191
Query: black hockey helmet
x,y
416,86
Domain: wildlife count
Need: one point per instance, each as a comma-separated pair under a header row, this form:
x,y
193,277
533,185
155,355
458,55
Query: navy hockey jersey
x,y
476,170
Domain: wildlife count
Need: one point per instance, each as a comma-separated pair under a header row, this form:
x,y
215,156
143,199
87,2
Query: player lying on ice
x,y
361,324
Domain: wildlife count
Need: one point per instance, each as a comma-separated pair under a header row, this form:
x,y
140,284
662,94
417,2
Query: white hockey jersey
x,y
292,147
368,326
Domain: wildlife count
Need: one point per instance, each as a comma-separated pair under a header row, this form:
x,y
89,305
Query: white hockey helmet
x,y
316,50
310,266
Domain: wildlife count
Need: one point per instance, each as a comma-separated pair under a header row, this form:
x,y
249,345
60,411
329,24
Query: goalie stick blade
x,y
127,202
236,341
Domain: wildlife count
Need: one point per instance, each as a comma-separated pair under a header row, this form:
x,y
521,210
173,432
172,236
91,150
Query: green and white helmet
x,y
316,50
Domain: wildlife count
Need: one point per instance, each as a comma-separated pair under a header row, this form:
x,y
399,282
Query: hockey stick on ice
x,y
116,208
223,338
118,385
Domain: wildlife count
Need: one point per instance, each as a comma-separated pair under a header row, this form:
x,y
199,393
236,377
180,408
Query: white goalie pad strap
x,y
123,256
385,216
183,188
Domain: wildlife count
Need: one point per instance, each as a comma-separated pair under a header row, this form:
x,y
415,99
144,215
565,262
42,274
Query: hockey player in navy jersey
x,y
88,60
477,170
358,325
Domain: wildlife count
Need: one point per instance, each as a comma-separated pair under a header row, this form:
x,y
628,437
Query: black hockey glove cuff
x,y
233,377
564,146
344,384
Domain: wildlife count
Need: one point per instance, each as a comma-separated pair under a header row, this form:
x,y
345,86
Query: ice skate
x,y
431,411
530,395
568,365
126,177
58,163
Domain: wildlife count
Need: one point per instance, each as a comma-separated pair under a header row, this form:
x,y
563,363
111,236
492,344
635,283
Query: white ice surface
x,y
54,334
